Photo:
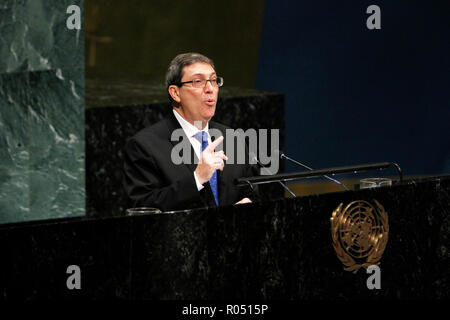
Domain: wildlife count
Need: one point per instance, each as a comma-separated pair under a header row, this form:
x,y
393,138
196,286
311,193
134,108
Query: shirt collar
x,y
189,129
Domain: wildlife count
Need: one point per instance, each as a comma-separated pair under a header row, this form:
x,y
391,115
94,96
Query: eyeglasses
x,y
201,83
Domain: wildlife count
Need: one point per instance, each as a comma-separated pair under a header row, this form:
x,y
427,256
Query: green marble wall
x,y
42,171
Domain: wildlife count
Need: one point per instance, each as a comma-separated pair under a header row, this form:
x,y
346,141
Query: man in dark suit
x,y
153,175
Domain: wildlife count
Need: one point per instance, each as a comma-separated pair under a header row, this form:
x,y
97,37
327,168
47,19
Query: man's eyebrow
x,y
201,74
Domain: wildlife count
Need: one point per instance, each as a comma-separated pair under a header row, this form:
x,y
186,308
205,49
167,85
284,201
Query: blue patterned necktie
x,y
203,138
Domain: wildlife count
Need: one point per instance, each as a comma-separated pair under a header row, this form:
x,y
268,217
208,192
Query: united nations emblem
x,y
360,234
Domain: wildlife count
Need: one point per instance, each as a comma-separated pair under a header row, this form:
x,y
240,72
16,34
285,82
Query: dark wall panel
x,y
355,95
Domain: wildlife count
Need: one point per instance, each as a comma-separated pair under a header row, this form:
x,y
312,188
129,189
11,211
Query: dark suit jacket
x,y
151,179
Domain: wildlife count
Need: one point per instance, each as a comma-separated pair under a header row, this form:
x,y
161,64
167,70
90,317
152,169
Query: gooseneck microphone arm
x,y
283,156
267,170
399,170
317,173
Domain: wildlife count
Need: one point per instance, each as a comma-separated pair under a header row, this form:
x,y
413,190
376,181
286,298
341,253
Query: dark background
x,y
353,95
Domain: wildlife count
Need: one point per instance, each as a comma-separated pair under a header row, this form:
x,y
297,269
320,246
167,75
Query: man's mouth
x,y
210,102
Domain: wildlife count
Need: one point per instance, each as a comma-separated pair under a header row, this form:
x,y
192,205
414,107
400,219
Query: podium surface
x,y
287,249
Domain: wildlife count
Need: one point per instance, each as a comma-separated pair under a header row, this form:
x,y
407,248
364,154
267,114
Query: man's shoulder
x,y
219,126
156,130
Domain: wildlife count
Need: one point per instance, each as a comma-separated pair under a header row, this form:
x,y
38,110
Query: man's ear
x,y
174,92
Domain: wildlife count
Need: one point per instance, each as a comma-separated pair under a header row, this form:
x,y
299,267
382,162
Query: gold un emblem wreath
x,y
360,234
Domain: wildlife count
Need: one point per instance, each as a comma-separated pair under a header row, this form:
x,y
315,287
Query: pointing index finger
x,y
213,145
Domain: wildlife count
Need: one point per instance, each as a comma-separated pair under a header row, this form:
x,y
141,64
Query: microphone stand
x,y
317,173
270,173
283,156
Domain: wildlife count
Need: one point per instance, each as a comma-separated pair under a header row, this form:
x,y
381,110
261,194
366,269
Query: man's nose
x,y
209,87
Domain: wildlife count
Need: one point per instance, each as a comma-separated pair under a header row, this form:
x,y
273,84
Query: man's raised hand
x,y
210,161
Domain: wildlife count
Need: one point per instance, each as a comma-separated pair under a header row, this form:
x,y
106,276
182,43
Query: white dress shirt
x,y
190,131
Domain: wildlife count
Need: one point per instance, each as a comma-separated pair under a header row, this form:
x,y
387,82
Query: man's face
x,y
198,104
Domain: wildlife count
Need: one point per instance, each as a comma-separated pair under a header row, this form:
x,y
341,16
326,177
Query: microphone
x,y
270,173
283,156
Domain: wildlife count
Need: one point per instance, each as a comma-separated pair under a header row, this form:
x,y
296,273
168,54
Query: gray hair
x,y
176,66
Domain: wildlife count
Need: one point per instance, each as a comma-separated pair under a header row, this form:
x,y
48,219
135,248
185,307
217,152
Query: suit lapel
x,y
173,124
